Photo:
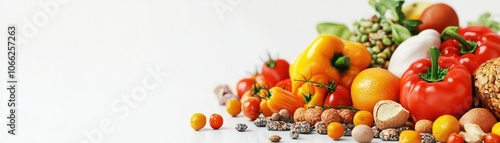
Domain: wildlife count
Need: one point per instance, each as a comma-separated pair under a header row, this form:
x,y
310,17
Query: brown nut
x,y
347,115
275,117
284,114
299,115
313,115
274,138
330,115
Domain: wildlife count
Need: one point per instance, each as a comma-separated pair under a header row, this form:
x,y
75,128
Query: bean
x,y
386,41
376,49
382,55
380,61
366,24
375,27
364,37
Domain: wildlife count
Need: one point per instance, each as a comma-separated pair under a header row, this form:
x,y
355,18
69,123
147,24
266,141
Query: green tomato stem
x,y
271,63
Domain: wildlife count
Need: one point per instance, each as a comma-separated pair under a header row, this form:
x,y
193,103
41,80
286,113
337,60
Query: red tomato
x,y
216,121
491,138
250,108
339,97
455,138
285,84
275,71
244,85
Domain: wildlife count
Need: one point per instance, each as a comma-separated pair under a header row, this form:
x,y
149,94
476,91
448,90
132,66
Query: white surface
x,y
85,56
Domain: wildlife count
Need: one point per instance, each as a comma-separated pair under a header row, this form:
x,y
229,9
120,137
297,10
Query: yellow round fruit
x,y
414,10
410,136
198,121
496,129
335,130
443,126
372,85
363,117
233,107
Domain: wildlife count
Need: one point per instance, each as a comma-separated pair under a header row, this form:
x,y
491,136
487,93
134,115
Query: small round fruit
x,y
363,117
444,126
216,121
491,138
455,138
198,121
335,130
372,85
496,129
410,136
250,108
233,107
438,16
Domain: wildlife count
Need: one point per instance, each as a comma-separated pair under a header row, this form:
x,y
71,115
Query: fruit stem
x,y
435,73
466,46
340,62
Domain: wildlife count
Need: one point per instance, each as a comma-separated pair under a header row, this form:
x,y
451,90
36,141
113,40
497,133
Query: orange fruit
x,y
335,130
372,85
496,129
363,117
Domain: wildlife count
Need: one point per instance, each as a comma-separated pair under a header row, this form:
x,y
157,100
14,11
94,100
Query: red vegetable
x,y
285,84
472,45
455,138
431,88
340,96
275,70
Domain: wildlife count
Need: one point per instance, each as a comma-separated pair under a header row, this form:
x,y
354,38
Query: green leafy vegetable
x,y
399,33
339,30
486,20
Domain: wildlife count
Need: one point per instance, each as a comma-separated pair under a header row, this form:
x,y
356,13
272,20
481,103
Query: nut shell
x,y
330,115
313,115
487,85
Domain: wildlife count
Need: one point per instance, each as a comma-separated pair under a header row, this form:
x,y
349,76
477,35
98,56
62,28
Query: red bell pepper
x,y
472,45
431,88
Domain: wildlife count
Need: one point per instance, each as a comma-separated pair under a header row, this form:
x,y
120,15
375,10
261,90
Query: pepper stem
x,y
435,73
342,63
450,32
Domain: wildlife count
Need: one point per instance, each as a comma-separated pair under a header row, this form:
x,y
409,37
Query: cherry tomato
x,y
455,138
285,84
491,138
250,108
198,121
339,97
275,70
233,107
244,85
409,136
216,121
264,109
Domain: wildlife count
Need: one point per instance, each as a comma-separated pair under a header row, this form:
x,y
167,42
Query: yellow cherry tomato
x,y
335,130
496,129
444,126
233,107
198,121
410,136
363,117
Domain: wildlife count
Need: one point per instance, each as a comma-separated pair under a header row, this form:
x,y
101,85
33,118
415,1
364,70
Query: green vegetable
x,y
339,30
395,7
399,33
486,20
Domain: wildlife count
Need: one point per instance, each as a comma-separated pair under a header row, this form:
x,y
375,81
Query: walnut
x,y
299,115
347,115
330,115
313,115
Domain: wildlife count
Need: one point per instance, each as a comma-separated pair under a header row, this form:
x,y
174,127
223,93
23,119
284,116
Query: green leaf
x,y
394,6
486,20
339,30
399,33
412,25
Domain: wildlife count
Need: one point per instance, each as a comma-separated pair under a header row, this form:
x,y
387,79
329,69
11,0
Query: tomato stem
x,y
271,63
466,46
342,107
330,86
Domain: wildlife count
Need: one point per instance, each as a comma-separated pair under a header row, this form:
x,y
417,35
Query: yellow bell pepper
x,y
335,59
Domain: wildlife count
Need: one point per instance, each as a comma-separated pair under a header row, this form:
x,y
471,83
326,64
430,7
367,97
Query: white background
x,y
82,57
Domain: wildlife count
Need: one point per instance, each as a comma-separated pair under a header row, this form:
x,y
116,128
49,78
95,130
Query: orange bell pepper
x,y
338,60
279,98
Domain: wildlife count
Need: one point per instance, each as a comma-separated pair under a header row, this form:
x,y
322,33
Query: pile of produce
x,y
412,75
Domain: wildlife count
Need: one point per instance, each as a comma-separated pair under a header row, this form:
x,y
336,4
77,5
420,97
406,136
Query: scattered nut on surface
x,y
294,134
284,114
275,117
346,115
241,127
313,115
321,127
299,114
330,115
274,138
423,126
260,122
